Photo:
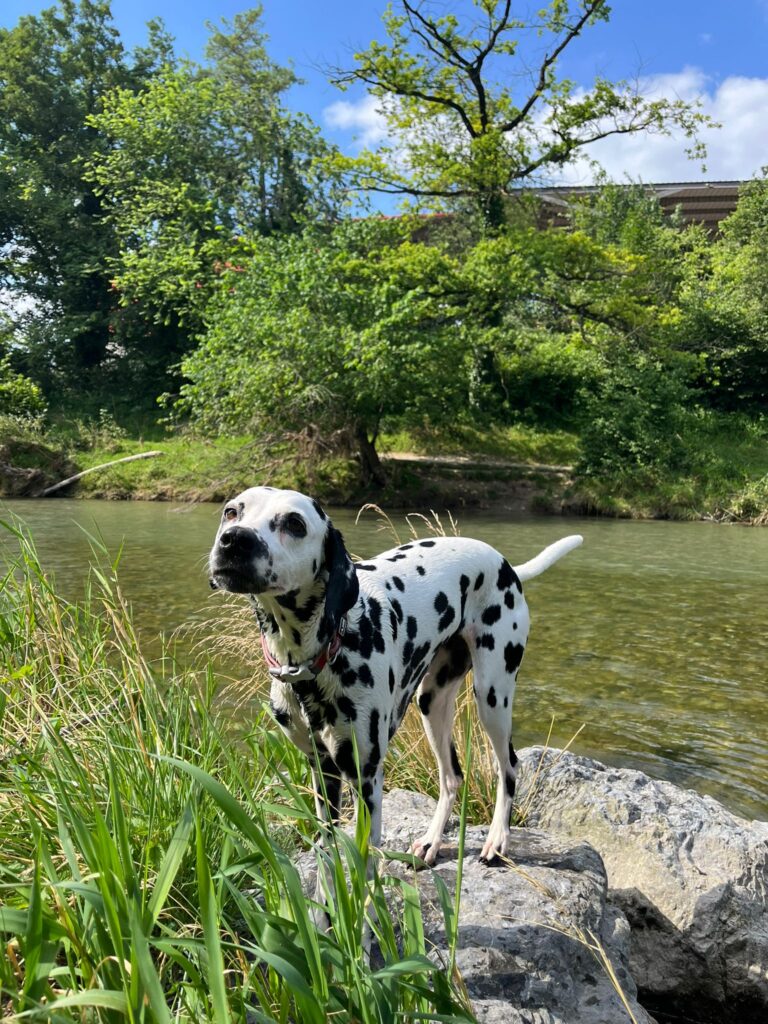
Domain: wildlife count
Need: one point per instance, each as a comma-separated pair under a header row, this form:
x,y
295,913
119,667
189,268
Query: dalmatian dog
x,y
348,645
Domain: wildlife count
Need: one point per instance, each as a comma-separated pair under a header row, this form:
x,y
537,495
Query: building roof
x,y
701,202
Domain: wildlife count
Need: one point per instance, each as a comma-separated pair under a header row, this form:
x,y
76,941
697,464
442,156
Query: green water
x,y
653,635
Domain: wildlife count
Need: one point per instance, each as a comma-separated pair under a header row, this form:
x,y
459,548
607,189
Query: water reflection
x,y
652,634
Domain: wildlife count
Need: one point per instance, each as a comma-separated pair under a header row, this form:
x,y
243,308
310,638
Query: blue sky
x,y
714,49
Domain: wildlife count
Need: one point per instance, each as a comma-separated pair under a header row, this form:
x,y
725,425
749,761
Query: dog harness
x,y
307,669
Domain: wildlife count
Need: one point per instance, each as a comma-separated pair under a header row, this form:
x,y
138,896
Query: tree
x,y
55,69
203,156
342,329
474,111
723,315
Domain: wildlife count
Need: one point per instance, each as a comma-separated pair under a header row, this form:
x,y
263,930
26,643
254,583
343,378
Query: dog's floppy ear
x,y
343,587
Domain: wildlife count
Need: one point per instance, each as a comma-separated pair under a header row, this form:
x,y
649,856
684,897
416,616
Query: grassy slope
x,y
726,477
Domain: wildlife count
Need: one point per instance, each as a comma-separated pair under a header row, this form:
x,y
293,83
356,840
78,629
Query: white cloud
x,y
362,118
737,150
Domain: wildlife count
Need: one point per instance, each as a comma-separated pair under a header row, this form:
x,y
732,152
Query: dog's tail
x,y
548,557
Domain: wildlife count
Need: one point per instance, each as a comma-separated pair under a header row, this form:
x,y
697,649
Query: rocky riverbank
x,y
626,899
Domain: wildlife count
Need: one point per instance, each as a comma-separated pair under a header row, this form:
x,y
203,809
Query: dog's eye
x,y
230,514
295,525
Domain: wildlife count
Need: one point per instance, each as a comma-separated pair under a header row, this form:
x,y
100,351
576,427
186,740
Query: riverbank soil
x,y
516,470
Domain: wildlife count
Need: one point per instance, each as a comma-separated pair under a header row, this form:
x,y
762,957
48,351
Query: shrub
x,y
634,419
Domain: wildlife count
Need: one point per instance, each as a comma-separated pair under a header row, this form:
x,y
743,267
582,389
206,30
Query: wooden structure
x,y
701,202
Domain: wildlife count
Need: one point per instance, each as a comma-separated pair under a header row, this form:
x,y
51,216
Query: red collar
x,y
308,669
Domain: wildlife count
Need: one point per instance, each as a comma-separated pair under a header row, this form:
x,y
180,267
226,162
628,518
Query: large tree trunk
x,y
370,465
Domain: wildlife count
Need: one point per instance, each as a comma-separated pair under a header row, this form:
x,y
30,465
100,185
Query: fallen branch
x,y
93,469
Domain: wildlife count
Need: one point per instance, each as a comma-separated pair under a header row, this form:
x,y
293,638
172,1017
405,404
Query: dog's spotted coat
x,y
418,618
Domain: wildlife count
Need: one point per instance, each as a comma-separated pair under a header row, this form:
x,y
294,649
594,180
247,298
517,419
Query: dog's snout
x,y
239,540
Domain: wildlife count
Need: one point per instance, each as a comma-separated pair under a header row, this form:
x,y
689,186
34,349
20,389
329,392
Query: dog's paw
x,y
495,849
427,850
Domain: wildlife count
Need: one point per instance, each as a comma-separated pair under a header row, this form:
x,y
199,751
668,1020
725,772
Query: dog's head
x,y
271,542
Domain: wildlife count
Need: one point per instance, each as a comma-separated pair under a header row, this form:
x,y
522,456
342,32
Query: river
x,y
653,635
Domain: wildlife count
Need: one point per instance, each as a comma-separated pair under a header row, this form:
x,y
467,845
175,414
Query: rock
x,y
523,948
690,877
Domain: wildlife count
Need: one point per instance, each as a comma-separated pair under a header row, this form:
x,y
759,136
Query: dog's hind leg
x,y
495,673
437,702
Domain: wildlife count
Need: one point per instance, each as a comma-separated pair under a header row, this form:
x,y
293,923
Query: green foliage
x,y
19,396
203,155
634,419
55,69
723,313
462,128
341,328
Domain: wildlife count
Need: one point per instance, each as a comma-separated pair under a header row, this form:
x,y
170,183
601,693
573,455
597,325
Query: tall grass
x,y
148,868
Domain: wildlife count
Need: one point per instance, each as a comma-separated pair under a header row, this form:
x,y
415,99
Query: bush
x,y
19,396
634,420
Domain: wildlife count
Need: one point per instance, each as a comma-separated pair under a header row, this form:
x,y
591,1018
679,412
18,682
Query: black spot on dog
x,y
288,600
510,783
455,763
397,608
329,714
479,581
509,599
365,675
491,614
349,678
443,675
374,757
393,623
365,566
281,716
506,576
305,612
273,523
441,602
513,655
407,651
374,610
512,755
405,547
446,619
421,570
347,708
426,543
491,698
411,627
487,640
398,583
391,681
318,508
345,758
396,558
425,700
314,566
296,636
506,702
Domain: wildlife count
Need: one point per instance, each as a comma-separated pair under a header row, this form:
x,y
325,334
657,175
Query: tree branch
x,y
547,64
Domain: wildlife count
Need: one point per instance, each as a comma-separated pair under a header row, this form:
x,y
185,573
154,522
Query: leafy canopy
x,y
475,106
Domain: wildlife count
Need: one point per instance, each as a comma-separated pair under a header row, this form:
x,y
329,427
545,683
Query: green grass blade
x,y
210,918
171,863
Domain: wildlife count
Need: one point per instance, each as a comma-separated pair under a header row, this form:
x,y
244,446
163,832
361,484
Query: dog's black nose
x,y
240,541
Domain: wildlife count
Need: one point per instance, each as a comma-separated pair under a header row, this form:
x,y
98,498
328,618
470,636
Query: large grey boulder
x,y
691,878
524,931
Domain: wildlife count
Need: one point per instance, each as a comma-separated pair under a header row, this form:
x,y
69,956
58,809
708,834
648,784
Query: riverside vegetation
x,y
238,276
146,871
